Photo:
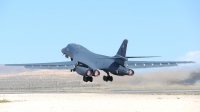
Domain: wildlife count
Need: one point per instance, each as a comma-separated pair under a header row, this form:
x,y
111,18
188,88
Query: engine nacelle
x,y
123,71
96,73
83,71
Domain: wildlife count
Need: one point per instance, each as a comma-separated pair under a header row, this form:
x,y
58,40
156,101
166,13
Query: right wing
x,y
52,65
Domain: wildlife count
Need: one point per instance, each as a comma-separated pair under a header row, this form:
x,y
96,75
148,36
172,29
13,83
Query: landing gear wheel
x,y
110,78
105,78
86,79
90,79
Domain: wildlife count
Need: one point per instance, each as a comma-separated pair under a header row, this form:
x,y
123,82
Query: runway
x,y
159,91
196,92
98,102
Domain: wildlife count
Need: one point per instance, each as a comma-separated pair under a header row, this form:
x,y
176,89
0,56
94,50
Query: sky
x,y
35,31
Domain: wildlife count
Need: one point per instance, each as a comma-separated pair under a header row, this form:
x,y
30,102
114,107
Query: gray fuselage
x,y
93,61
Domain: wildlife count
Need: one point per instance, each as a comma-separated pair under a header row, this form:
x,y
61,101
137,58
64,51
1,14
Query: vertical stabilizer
x,y
122,49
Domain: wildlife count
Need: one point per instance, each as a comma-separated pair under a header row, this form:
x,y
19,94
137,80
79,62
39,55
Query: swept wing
x,y
52,65
151,64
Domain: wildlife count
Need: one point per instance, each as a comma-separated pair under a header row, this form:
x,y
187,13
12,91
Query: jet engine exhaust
x,y
131,72
96,73
88,73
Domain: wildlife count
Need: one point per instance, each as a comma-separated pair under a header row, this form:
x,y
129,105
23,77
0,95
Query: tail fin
x,y
122,49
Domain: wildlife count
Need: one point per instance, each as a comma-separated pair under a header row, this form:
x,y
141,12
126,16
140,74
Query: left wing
x,y
52,65
151,64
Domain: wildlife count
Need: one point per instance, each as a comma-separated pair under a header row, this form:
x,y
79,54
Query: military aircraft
x,y
88,64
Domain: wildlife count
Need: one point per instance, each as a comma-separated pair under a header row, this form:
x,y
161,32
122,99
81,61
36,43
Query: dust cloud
x,y
183,77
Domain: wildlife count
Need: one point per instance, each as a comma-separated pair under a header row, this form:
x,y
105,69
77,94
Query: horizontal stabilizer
x,y
123,58
126,58
142,56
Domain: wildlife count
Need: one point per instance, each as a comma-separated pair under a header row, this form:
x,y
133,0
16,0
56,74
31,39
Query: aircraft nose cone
x,y
63,50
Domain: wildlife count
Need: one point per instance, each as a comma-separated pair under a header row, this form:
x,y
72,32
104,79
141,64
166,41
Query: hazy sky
x,y
37,30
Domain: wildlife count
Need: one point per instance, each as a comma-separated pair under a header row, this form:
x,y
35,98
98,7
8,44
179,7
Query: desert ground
x,y
90,102
168,90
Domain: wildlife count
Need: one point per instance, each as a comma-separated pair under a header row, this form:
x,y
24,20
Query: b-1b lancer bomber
x,y
88,64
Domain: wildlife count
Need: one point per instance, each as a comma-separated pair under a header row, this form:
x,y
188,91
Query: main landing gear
x,y
108,77
86,79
